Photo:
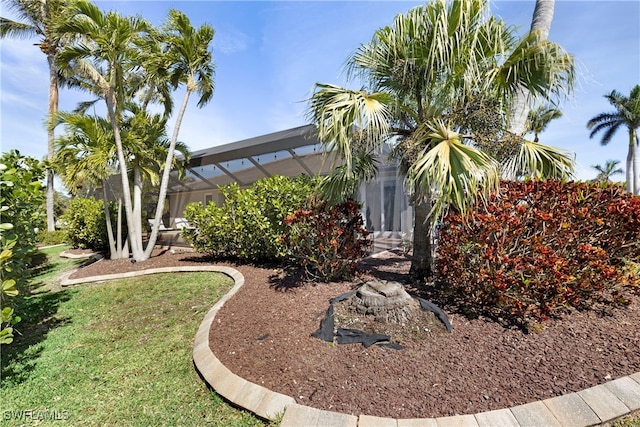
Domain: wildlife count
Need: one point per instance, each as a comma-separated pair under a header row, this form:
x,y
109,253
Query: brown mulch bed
x,y
263,335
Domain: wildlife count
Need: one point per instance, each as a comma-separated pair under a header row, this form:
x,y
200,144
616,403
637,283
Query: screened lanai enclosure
x,y
291,152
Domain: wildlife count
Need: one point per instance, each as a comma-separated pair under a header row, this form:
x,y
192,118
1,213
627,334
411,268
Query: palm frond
x,y
541,161
343,116
342,184
456,172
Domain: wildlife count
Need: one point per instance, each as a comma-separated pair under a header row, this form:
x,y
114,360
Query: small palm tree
x,y
626,114
608,170
540,118
86,155
434,60
38,19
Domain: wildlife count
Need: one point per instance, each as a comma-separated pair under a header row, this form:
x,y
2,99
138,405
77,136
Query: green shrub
x,y
49,238
85,224
540,247
249,224
327,241
21,196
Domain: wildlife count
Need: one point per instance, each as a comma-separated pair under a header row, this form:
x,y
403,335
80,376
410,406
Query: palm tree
x,y
540,26
627,114
192,64
104,60
147,145
539,119
608,170
39,19
85,155
435,60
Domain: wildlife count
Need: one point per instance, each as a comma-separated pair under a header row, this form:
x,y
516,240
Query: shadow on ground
x,y
38,313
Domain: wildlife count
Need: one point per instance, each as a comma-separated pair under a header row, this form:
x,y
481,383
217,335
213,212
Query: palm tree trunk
x,y
107,215
53,110
542,17
121,249
164,183
635,174
137,203
126,192
422,259
629,173
541,22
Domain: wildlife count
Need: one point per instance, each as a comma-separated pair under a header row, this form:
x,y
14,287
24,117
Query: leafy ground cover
x,y
116,353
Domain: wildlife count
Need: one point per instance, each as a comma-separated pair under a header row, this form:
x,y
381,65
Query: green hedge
x,y
250,222
85,224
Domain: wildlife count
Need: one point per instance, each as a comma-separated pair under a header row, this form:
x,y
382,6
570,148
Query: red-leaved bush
x,y
327,241
540,247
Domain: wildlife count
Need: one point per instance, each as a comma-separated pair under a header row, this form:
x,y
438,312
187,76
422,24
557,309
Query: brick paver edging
x,y
593,406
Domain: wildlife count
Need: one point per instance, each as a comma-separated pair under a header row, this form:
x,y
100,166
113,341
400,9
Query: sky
x,y
269,55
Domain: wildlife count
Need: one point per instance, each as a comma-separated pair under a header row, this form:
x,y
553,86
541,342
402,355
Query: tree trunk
x,y
635,173
137,203
541,22
422,260
53,110
629,175
164,183
107,215
126,193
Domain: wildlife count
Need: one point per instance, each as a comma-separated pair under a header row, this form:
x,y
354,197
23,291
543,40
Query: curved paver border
x,y
596,405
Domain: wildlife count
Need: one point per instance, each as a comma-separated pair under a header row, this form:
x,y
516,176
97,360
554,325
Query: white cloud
x,y
229,41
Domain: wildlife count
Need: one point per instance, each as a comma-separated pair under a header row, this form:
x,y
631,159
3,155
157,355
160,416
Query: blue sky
x,y
269,55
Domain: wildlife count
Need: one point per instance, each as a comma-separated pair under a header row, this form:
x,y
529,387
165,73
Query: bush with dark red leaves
x,y
327,241
538,249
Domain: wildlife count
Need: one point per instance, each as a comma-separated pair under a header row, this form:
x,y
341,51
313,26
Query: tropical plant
x,y
539,247
251,222
191,64
85,157
540,118
39,19
146,143
85,224
627,114
609,169
122,56
21,196
420,73
326,242
108,54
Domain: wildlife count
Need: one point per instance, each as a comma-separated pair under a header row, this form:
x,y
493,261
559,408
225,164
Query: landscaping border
x,y
596,405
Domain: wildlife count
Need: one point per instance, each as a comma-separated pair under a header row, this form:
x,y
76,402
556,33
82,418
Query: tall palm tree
x,y
540,26
188,50
626,114
38,19
436,59
104,60
608,170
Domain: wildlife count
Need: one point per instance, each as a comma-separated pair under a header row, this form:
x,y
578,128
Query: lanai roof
x,y
289,152
269,143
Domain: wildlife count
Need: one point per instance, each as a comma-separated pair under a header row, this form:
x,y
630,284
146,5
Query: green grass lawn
x,y
117,353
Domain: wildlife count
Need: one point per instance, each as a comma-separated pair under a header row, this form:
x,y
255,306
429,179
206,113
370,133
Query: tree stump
x,y
387,302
